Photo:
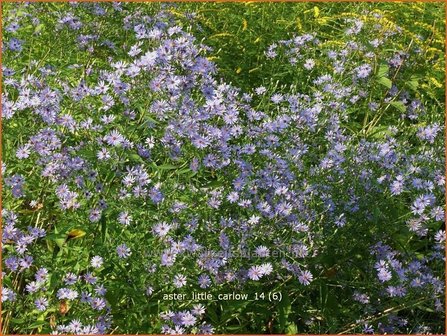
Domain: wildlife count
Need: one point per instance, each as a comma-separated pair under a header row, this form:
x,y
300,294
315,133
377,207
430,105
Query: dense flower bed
x,y
132,171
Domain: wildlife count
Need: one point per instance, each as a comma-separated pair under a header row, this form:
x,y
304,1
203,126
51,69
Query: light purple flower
x,y
97,261
123,251
41,303
305,278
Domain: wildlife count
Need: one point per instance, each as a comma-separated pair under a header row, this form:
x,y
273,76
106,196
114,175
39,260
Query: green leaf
x,y
35,325
386,82
213,315
380,132
17,320
164,167
38,28
214,184
184,171
53,281
332,304
58,238
413,83
136,157
426,309
103,229
284,309
399,106
60,242
292,329
383,70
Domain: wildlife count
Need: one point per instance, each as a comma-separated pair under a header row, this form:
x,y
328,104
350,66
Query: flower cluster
x,y
140,170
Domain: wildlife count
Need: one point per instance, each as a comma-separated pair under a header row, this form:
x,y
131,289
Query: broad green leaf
x,y
386,82
383,70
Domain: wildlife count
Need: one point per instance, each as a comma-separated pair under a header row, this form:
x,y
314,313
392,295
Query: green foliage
x,y
239,35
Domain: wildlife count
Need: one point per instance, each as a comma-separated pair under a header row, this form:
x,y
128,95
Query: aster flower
x,y
188,319
309,64
32,287
198,310
363,71
233,197
179,280
89,278
162,229
255,272
368,329
384,275
200,142
305,277
149,291
168,257
440,237
156,195
262,251
260,90
277,98
26,262
66,293
41,275
362,298
100,290
74,326
95,215
96,262
266,268
124,218
114,138
23,152
41,304
429,133
98,303
15,44
8,295
206,329
418,206
123,251
204,281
